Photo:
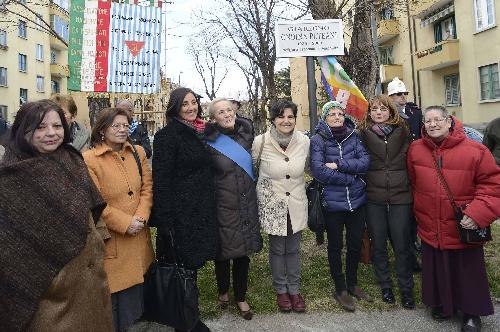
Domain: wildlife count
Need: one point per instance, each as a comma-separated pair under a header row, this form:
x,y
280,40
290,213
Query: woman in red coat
x,y
454,275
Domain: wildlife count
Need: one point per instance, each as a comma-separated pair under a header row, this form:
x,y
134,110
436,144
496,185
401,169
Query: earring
x,y
102,137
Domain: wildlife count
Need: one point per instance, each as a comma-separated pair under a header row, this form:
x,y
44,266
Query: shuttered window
x,y
489,80
452,90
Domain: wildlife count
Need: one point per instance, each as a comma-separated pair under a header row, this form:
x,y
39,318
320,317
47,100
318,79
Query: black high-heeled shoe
x,y
388,296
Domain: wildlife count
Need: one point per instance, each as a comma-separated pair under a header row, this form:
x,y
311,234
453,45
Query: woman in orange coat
x,y
122,175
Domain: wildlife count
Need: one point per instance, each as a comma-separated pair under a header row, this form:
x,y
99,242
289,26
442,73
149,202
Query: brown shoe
x,y
246,314
360,294
344,300
284,303
298,304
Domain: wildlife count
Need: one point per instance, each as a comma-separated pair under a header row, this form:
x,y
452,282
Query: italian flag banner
x,y
115,47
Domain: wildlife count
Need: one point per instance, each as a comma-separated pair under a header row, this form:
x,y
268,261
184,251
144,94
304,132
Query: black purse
x,y
470,236
316,217
171,294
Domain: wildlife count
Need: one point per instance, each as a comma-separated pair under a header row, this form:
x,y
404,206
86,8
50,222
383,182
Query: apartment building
x,y
447,53
33,63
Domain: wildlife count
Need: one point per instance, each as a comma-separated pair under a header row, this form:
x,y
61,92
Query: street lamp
x,y
180,77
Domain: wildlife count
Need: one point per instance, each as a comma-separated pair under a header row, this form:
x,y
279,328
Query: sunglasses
x,y
399,94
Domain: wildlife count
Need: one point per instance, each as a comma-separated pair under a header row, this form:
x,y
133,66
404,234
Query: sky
x,y
176,63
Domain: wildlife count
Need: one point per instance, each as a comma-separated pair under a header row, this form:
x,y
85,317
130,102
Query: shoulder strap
x,y
257,165
137,160
443,182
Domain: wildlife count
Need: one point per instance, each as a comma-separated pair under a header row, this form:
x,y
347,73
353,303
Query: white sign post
x,y
309,38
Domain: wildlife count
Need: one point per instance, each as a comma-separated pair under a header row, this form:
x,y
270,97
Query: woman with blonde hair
x,y
387,138
121,173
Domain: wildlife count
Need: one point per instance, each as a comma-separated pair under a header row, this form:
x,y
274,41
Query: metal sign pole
x,y
311,93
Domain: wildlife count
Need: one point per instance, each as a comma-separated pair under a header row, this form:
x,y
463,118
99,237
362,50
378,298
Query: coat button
x,y
123,158
287,159
130,193
287,176
287,193
91,265
243,195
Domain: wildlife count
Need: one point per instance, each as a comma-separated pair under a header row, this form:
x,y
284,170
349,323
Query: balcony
x,y
57,44
55,9
387,29
388,72
58,70
422,8
441,55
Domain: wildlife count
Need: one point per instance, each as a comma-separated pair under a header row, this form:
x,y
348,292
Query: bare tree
x,y
19,9
207,61
249,25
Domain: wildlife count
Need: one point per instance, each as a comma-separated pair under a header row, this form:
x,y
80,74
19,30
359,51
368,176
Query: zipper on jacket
x,y
387,172
348,199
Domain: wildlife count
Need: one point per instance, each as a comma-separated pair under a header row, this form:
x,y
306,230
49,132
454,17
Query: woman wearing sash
x,y
230,139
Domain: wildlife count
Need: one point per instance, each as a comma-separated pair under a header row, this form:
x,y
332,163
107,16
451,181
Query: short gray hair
x,y
442,109
125,104
211,106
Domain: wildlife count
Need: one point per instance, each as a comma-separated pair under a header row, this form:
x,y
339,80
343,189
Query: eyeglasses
x,y
436,121
381,109
336,114
118,126
399,94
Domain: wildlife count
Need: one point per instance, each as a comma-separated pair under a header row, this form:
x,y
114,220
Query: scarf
x,y
45,203
382,130
133,127
339,133
401,111
198,124
283,140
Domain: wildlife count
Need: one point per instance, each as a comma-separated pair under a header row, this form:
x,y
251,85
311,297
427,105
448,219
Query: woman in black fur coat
x,y
183,187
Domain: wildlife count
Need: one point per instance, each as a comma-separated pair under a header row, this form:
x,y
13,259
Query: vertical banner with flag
x,y
115,47
341,88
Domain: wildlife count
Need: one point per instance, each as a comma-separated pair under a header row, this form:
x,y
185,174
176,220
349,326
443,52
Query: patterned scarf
x,y
133,127
198,124
382,130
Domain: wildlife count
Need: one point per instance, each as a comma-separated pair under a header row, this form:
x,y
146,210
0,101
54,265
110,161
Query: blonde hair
x,y
394,118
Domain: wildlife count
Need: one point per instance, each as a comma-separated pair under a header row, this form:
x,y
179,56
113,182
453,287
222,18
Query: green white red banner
x,y
115,47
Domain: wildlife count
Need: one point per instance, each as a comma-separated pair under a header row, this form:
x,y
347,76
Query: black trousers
x,y
383,219
240,276
354,222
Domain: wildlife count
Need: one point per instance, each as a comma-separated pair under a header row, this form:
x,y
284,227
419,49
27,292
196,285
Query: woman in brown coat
x,y
386,138
122,175
51,255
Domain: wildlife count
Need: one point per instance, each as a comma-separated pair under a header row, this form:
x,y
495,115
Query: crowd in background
x,y
77,253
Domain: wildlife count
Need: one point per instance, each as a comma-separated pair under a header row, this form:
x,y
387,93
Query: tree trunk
x,y
96,105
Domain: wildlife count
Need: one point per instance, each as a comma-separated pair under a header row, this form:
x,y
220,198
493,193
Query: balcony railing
x,y
388,72
59,70
422,8
441,55
387,29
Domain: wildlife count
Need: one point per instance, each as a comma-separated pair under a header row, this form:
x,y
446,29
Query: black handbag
x,y
470,236
171,295
316,217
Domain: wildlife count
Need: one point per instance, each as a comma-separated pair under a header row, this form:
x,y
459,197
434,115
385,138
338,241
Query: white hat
x,y
395,86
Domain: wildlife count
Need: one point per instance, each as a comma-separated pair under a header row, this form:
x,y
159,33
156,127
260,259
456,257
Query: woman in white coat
x,y
281,155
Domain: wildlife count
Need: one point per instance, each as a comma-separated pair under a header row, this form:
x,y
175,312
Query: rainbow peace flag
x,y
341,88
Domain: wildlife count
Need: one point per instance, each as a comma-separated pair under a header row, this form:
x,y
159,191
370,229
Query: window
x,y
387,13
22,29
39,52
40,83
452,90
38,22
23,96
484,12
488,78
53,56
386,57
22,62
3,76
55,87
445,29
64,4
3,112
3,39
60,26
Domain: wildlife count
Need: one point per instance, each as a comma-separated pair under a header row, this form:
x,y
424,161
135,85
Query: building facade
x,y
447,53
34,63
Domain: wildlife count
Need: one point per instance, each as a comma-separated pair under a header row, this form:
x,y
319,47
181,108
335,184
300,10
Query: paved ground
x,y
398,320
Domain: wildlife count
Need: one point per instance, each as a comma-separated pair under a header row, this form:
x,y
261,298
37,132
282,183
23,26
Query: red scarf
x,y
198,124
